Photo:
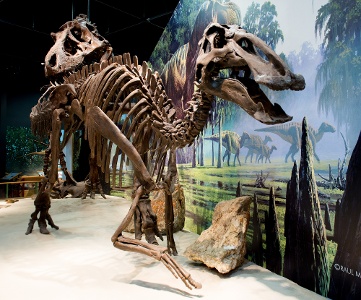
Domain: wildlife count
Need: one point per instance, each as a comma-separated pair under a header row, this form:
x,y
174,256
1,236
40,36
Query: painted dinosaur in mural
x,y
232,142
265,153
95,96
255,146
292,133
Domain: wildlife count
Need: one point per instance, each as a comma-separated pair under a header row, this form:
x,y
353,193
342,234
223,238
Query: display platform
x,y
78,261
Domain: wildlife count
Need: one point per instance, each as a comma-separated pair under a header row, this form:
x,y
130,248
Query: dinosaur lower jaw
x,y
246,93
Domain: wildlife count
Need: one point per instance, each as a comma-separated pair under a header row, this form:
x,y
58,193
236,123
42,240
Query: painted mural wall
x,y
319,39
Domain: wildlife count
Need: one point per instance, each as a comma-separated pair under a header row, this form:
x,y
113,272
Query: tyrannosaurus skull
x,y
77,43
249,62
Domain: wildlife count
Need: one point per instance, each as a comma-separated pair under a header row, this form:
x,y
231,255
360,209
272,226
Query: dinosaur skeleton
x,y
98,96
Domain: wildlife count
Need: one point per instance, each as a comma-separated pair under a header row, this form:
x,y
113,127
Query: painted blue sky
x,y
296,19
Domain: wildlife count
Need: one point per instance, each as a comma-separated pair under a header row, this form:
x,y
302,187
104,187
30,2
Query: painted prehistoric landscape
x,y
236,155
303,175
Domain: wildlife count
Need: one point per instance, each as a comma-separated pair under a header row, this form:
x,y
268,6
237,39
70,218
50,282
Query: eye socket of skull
x,y
217,35
82,33
76,31
70,46
247,45
219,41
206,46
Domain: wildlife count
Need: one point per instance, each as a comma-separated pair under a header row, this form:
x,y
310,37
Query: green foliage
x,y
177,32
161,53
20,143
339,76
261,21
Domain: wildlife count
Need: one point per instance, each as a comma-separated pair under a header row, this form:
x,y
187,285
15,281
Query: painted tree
x,y
223,113
257,248
262,21
177,32
239,189
339,75
273,246
337,231
311,248
290,227
327,217
22,150
345,280
212,123
200,150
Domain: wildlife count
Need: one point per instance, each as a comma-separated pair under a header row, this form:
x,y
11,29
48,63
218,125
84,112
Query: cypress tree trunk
x,y
201,152
338,225
257,249
345,280
311,234
212,146
273,248
239,189
194,160
327,217
290,233
219,161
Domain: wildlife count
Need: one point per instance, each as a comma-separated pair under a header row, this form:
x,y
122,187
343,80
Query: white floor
x,y
78,261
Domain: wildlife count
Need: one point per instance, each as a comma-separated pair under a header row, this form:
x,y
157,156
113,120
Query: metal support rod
x,y
72,10
89,10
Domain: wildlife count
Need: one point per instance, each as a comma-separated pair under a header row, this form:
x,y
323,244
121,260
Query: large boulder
x,y
223,245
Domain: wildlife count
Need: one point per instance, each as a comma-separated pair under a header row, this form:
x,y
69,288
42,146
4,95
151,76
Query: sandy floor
x,y
79,262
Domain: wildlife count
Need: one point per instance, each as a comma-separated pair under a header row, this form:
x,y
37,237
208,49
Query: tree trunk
x,y
219,162
345,280
257,248
290,230
194,159
337,232
273,247
239,189
201,152
327,217
212,146
313,272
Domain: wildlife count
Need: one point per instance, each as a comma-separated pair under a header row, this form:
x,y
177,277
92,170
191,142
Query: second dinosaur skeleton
x,y
97,97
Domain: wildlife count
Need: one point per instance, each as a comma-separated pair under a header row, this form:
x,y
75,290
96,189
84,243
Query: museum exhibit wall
x,y
296,31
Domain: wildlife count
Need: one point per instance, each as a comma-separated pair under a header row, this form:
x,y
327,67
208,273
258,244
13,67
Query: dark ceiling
x,y
133,26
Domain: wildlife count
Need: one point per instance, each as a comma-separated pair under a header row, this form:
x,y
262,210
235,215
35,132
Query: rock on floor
x,y
223,245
